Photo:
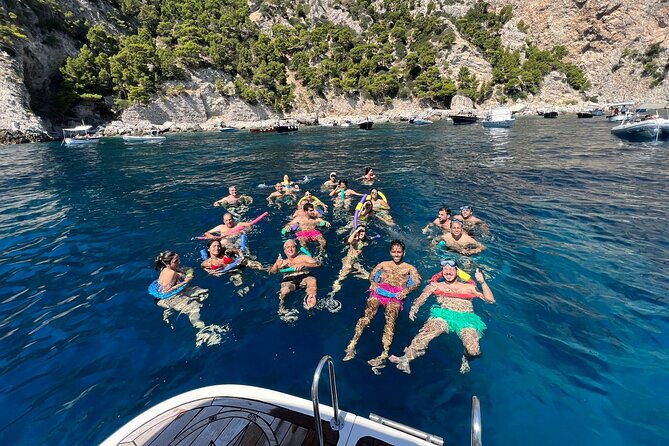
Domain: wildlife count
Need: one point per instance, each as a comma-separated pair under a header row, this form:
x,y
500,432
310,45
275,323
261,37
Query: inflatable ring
x,y
154,290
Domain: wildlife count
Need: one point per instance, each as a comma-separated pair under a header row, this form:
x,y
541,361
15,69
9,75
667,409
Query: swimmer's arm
x,y
248,199
211,233
277,264
421,300
416,280
355,193
322,222
487,292
476,250
376,269
335,191
219,202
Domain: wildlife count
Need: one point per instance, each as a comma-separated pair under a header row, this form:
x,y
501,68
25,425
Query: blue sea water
x,y
577,257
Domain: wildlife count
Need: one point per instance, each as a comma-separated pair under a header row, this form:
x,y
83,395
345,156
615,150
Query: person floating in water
x,y
290,186
330,184
280,194
309,198
455,313
219,258
380,207
342,194
228,230
391,282
443,221
356,242
296,275
172,283
457,240
470,221
234,199
306,225
369,176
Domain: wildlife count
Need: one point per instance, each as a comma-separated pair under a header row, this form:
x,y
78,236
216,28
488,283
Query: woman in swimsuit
x,y
380,207
356,241
391,282
188,301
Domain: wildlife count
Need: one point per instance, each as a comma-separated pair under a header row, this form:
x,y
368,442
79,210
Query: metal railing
x,y
476,422
336,423
407,429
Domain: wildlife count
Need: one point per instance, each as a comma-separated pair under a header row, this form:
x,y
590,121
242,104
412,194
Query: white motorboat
x,y
79,135
419,121
152,137
618,111
646,128
500,117
246,415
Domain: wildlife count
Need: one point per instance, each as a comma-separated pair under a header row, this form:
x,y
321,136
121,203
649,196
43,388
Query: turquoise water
x,y
578,254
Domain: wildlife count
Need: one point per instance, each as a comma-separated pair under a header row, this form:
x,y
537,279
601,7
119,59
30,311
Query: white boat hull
x,y
505,124
648,130
235,414
80,141
616,118
143,139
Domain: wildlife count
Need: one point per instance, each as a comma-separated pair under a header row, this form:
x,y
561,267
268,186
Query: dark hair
x,y
211,242
367,169
399,243
164,259
374,188
307,206
445,209
345,182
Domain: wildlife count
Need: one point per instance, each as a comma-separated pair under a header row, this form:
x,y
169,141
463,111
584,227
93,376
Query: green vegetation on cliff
x,y
400,52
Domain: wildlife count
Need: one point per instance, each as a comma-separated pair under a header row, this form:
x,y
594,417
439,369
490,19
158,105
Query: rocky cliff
x,y
621,46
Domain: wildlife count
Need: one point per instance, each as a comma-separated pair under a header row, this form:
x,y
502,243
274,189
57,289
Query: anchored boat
x,y
152,137
500,117
246,415
79,135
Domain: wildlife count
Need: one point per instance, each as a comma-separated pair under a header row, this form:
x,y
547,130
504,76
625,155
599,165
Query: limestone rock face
x,y
597,35
607,39
17,122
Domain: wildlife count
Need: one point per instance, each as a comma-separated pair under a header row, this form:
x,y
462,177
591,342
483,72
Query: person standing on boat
x,y
455,313
295,268
390,283
443,221
229,229
330,184
457,240
234,199
306,225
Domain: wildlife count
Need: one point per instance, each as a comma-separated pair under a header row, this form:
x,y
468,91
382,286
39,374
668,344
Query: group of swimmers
x,y
391,281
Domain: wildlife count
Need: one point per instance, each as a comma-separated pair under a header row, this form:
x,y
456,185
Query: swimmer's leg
x,y
391,313
321,247
361,272
470,340
310,284
286,288
372,307
345,271
432,329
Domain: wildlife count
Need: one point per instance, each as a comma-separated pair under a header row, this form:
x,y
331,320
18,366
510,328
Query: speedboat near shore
x,y
152,138
246,415
500,117
642,128
464,118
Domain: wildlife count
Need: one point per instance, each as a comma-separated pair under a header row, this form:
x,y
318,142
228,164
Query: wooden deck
x,y
230,421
